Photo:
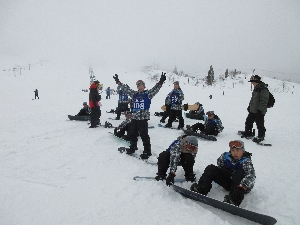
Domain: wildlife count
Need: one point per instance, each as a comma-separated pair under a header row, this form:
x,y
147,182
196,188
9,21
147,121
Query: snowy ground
x,y
57,171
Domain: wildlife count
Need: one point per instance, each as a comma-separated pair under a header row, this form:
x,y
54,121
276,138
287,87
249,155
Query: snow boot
x,y
146,153
160,177
258,139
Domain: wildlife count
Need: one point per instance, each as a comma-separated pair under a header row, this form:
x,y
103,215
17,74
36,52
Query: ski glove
x,y
170,179
185,107
238,195
162,78
116,77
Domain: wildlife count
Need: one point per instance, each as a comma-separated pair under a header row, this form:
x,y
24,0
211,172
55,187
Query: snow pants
x,y
259,119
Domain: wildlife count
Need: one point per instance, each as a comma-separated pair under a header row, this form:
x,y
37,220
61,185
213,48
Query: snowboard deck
x,y
135,155
263,143
190,107
138,178
203,136
174,128
79,118
247,214
119,137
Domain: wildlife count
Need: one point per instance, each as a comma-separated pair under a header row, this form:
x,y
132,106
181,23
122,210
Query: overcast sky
x,y
191,34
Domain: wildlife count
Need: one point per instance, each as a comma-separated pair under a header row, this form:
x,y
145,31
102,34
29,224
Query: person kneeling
x,y
182,151
234,172
125,126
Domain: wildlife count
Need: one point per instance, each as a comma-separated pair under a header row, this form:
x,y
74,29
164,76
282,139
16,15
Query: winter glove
x,y
170,179
162,78
185,107
238,195
116,77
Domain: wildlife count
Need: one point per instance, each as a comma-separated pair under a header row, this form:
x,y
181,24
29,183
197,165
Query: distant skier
x,y
257,109
235,173
108,93
212,126
36,94
175,98
141,105
181,152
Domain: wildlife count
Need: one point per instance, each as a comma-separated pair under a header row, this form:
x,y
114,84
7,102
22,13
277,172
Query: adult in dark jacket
x,y
85,111
257,109
108,93
235,173
182,152
175,98
141,105
94,99
36,94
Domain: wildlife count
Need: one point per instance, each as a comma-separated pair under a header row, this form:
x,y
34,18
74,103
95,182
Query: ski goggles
x,y
236,144
191,147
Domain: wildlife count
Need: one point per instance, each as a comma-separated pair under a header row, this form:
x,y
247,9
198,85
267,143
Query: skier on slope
x,y
212,125
181,152
141,105
234,172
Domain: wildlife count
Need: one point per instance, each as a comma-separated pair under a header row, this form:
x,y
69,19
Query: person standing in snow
x,y
257,109
108,93
36,94
94,99
175,98
122,103
212,125
181,152
235,173
141,105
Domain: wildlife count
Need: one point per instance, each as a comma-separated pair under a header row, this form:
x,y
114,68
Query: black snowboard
x,y
135,155
80,118
247,214
207,137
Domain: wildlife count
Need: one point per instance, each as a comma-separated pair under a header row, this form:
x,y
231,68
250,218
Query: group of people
x,y
234,170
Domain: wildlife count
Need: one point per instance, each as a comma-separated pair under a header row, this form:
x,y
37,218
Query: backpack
x,y
271,101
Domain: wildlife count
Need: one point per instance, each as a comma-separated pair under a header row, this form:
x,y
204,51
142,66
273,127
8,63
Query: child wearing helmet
x,y
182,152
235,173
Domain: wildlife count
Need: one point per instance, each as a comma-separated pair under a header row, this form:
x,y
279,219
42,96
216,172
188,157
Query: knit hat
x,y
255,78
192,140
237,144
84,103
96,82
176,82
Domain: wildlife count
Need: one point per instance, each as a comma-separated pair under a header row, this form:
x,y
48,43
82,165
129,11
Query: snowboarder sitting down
x,y
182,151
85,111
212,126
196,114
125,126
234,172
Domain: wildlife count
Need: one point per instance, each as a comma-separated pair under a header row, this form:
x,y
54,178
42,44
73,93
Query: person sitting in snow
x,y
235,173
125,126
85,111
141,104
196,114
182,152
212,125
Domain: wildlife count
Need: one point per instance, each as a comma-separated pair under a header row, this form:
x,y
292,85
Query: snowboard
x,y
138,178
203,136
135,155
251,137
80,118
174,128
190,107
247,214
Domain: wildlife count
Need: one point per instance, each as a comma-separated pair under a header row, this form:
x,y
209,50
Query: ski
x,y
135,155
247,214
203,136
138,178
